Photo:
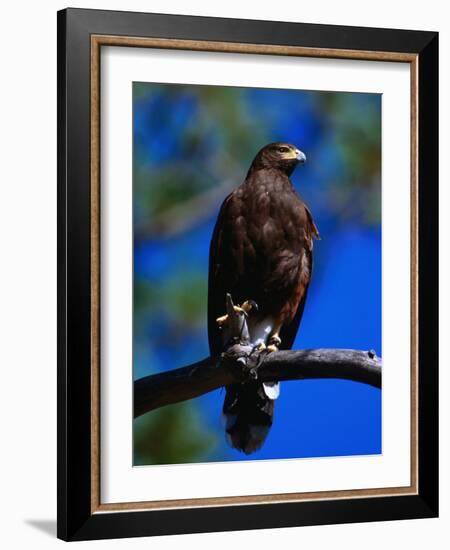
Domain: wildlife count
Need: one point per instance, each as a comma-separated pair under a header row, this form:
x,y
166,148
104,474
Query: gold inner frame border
x,y
97,41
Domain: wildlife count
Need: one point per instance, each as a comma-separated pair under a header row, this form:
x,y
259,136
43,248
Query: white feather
x,y
272,389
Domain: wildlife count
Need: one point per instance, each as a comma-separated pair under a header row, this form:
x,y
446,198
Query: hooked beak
x,y
301,157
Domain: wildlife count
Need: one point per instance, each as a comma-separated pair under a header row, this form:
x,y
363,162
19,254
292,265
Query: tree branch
x,y
157,390
241,363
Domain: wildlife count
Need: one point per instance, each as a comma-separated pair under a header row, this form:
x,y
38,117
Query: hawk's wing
x,y
219,280
289,331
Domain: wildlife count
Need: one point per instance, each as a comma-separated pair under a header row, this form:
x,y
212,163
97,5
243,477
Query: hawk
x,y
261,254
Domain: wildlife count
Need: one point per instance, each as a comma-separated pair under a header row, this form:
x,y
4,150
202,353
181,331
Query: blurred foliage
x,y
191,145
170,435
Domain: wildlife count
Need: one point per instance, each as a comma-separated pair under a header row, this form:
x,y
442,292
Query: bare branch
x,y
157,390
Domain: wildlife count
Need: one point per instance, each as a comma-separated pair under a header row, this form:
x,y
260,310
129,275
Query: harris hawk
x,y
261,254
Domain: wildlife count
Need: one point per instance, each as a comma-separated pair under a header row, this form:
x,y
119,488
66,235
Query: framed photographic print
x,y
247,255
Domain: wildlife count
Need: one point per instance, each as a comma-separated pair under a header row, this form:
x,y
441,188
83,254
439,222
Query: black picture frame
x,y
76,519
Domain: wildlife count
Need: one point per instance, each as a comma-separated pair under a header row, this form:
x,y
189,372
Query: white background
x,y
28,274
119,481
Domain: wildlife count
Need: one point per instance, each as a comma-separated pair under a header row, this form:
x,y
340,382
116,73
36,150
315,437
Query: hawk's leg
x,y
245,309
260,347
274,340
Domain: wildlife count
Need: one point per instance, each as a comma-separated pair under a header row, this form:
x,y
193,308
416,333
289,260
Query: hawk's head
x,y
283,156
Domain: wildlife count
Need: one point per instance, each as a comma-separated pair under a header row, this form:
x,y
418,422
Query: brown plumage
x,y
261,250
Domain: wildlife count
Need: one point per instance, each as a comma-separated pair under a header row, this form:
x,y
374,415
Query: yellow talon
x,y
274,341
221,320
260,347
271,348
244,309
224,319
248,305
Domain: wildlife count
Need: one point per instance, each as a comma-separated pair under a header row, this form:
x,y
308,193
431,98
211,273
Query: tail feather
x,y
248,413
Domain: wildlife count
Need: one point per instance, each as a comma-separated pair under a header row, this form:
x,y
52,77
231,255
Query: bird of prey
x,y
261,254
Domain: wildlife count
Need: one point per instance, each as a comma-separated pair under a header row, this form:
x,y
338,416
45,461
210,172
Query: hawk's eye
x,y
283,149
